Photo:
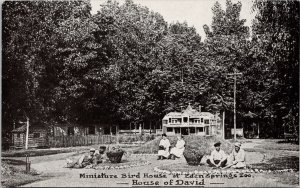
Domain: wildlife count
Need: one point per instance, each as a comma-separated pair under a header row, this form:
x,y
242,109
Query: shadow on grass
x,y
33,153
279,163
288,142
14,162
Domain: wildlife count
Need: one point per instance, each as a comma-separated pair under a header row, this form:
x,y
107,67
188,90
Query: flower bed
x,y
220,171
123,166
115,155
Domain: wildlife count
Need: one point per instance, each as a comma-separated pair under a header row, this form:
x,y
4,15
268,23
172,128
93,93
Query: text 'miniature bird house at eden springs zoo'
x,y
192,122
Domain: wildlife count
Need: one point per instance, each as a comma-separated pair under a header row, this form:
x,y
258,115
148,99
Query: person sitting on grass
x,y
164,146
84,160
177,151
238,157
101,154
218,158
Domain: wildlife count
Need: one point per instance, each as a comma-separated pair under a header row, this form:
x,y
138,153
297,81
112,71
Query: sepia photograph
x,y
160,93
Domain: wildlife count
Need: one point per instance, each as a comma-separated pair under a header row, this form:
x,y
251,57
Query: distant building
x,y
191,121
37,137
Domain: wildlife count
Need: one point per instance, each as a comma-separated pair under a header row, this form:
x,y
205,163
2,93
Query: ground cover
x,y
13,174
275,144
263,155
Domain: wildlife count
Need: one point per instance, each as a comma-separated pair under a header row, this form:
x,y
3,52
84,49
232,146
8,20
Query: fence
x,y
78,140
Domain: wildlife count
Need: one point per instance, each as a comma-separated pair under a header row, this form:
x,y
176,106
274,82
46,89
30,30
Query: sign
x,y
239,132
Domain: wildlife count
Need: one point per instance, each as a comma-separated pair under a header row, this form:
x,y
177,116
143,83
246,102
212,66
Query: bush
x,y
198,146
152,146
135,138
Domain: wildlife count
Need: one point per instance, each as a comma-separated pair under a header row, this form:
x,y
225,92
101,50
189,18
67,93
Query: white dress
x,y
166,144
178,149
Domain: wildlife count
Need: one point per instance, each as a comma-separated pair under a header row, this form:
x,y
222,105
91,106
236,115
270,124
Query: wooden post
x,y
223,125
234,101
234,106
117,134
258,129
27,133
150,127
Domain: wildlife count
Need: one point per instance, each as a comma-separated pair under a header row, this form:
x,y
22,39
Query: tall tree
x,y
29,56
226,46
276,35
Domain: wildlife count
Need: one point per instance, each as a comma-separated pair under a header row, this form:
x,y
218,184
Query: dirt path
x,y
71,177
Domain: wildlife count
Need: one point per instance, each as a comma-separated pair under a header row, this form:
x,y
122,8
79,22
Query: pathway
x,y
64,177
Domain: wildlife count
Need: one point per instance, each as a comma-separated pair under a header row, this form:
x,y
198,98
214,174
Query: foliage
x,y
125,64
152,146
198,146
276,35
15,175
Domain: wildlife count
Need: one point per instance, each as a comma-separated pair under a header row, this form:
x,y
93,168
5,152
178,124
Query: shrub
x,y
198,146
152,146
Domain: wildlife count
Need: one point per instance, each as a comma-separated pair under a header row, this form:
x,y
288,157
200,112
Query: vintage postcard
x,y
138,93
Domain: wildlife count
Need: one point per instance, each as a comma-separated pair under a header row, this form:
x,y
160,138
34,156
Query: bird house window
x,y
197,121
177,130
200,129
192,130
174,121
185,119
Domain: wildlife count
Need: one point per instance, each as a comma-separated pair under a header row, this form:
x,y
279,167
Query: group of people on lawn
x,y
217,159
94,157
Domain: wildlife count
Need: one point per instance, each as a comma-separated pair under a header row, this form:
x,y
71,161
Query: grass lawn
x,y
13,162
273,144
279,160
14,174
185,168
269,154
52,151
